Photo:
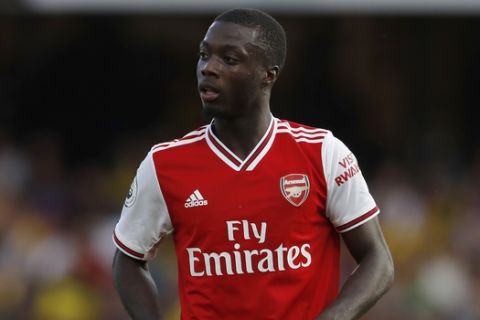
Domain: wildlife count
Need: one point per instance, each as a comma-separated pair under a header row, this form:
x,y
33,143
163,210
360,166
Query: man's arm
x,y
136,287
370,280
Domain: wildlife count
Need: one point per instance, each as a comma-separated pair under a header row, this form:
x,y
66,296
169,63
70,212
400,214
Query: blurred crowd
x,y
56,226
380,89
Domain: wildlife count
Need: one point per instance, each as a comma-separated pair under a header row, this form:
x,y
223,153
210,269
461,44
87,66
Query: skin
x,y
231,60
136,287
372,277
232,66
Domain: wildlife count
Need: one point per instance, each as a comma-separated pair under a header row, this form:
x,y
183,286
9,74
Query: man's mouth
x,y
208,93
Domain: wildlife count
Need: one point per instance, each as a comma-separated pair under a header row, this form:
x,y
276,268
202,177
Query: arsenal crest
x,y
295,188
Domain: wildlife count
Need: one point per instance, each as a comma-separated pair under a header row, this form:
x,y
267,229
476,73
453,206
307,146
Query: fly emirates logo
x,y
240,261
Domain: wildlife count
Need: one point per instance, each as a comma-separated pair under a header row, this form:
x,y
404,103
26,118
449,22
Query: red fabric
x,y
242,204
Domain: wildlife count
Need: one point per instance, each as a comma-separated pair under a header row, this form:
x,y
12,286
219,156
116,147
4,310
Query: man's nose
x,y
210,67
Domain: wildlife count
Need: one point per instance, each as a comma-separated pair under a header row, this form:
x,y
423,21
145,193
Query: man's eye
x,y
202,55
230,60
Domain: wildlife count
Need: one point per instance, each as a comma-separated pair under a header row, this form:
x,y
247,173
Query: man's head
x,y
240,59
271,39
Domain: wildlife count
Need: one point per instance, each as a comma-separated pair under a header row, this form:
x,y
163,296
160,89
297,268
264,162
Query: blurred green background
x,y
84,95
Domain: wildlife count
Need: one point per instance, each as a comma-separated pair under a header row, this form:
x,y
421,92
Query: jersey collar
x,y
255,156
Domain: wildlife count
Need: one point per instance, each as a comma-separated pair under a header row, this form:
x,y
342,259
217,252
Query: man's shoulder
x,y
189,140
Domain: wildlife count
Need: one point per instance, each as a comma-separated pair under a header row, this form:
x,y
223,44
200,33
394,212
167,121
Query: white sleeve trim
x,y
358,221
127,248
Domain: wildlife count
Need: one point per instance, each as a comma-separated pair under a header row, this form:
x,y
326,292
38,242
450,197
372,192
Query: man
x,y
256,204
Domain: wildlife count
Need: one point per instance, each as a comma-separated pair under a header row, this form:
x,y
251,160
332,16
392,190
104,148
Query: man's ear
x,y
271,75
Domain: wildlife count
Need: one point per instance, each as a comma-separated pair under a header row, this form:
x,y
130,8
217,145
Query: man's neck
x,y
242,134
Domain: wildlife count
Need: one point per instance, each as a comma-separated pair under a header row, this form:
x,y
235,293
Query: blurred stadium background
x,y
86,87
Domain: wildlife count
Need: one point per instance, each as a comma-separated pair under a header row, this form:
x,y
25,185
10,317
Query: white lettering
x,y
287,182
259,233
196,203
307,255
248,259
268,259
280,250
292,254
238,259
246,231
263,232
191,260
231,228
216,261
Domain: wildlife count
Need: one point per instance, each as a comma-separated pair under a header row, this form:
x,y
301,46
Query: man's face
x,y
230,70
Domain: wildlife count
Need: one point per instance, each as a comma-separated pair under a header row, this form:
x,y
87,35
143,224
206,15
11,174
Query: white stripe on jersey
x,y
284,125
223,152
264,151
303,134
200,131
309,140
190,134
178,143
224,147
222,156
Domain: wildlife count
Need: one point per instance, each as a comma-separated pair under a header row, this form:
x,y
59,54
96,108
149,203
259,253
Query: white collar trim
x,y
253,158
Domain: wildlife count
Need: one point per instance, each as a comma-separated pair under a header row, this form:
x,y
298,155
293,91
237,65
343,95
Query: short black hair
x,y
273,37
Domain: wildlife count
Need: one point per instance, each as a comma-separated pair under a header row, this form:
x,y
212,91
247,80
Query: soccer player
x,y
256,205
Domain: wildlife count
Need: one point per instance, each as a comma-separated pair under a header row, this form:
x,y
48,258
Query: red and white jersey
x,y
256,238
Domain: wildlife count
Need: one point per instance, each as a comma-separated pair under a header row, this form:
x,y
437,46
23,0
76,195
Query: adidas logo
x,y
195,200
